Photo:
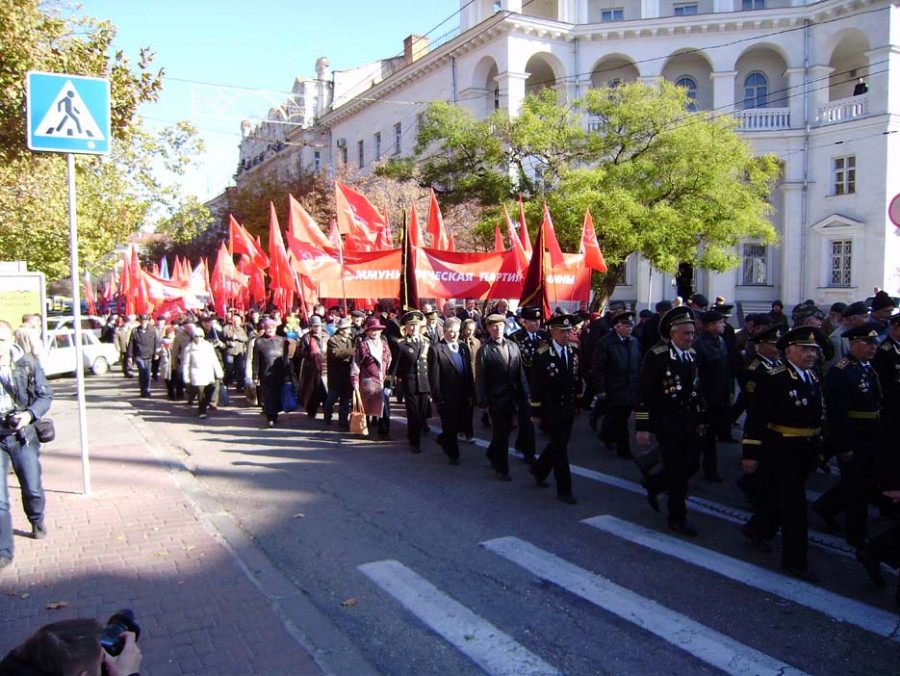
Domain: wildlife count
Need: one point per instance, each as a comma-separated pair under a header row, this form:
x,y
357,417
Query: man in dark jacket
x,y
143,345
502,389
714,368
452,386
25,396
650,334
339,351
614,373
530,338
410,375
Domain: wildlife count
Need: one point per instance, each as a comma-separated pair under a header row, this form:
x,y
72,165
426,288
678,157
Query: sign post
x,y
894,210
70,114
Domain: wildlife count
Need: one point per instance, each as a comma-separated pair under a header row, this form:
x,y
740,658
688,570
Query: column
x,y
512,91
818,92
884,80
723,91
796,97
793,247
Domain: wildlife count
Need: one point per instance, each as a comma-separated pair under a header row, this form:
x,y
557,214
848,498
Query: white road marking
x,y
839,607
494,651
705,644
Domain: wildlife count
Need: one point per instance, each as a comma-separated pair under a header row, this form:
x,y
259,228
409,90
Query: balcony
x,y
763,119
843,110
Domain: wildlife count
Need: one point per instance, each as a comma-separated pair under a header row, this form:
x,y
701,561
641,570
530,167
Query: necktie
x,y
565,361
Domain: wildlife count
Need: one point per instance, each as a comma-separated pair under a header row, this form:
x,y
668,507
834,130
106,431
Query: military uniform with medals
x,y
410,375
529,343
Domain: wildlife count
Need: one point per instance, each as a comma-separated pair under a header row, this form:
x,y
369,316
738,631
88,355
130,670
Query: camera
x,y
111,636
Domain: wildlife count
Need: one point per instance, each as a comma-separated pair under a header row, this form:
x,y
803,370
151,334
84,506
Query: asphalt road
x,y
431,569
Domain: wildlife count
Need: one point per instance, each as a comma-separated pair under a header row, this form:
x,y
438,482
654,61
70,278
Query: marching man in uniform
x,y
530,338
555,401
410,375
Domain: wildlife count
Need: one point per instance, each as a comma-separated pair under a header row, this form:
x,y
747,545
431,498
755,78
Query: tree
x,y
662,182
118,194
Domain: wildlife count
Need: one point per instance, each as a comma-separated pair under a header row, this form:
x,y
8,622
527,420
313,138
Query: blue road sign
x,y
68,113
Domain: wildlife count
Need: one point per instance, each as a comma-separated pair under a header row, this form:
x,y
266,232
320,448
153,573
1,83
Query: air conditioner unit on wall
x,y
342,143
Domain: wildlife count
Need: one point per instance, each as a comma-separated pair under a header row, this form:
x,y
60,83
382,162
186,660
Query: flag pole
x,y
343,281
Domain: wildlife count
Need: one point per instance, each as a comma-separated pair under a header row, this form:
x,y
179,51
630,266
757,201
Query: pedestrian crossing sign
x,y
67,113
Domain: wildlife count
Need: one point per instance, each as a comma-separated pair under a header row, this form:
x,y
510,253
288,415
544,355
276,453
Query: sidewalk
x,y
138,541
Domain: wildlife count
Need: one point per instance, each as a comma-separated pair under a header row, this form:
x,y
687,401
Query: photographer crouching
x,y
80,647
25,396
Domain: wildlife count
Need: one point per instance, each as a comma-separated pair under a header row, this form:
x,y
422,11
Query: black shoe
x,y
539,482
503,477
872,565
38,531
454,461
568,499
384,436
328,421
829,519
415,448
758,543
651,496
684,528
5,561
804,574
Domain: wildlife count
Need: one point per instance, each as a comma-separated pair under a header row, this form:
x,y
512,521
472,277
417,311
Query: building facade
x,y
815,83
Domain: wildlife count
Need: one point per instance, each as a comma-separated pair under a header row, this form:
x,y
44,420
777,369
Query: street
x,y
432,569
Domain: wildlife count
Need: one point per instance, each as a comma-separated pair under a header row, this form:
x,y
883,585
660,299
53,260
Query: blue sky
x,y
261,44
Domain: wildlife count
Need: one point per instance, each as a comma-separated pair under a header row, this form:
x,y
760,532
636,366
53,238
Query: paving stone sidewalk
x,y
137,541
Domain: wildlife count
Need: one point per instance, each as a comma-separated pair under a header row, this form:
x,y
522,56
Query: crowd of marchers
x,y
812,391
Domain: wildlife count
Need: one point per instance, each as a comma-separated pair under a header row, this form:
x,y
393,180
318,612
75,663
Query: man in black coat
x,y
714,369
142,346
502,389
555,401
530,338
784,430
410,375
339,351
452,386
650,334
614,374
671,407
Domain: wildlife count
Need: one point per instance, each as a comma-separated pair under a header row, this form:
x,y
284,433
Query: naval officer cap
x,y
624,318
681,314
532,312
805,336
867,332
563,321
771,335
412,317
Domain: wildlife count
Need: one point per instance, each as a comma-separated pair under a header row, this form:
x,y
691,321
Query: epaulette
x,y
659,349
778,369
543,348
754,365
886,346
842,363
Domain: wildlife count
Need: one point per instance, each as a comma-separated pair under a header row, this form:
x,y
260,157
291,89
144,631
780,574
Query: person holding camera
x,y
79,647
25,396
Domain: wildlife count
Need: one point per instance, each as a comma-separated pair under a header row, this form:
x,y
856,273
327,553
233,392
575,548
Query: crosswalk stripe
x,y
494,651
704,643
839,607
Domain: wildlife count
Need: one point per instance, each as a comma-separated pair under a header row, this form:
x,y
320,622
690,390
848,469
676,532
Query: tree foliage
x,y
116,195
662,182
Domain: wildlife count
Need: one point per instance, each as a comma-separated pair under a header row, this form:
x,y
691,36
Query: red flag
x,y
334,236
413,231
526,239
498,239
242,243
302,226
593,257
137,289
515,243
435,225
556,256
280,274
386,241
534,288
356,217
89,294
257,282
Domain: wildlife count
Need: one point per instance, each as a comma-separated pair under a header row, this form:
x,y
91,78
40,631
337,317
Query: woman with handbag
x,y
370,373
270,369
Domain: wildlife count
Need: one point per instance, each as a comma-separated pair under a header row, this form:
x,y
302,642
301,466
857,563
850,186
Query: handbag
x,y
224,397
45,429
288,398
358,423
251,394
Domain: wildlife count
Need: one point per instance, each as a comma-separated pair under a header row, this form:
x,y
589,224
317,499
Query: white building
x,y
786,69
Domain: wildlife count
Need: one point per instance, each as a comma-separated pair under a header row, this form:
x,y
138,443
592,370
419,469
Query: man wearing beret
x,y
670,406
853,402
614,375
555,401
530,338
410,375
855,315
784,428
502,389
883,307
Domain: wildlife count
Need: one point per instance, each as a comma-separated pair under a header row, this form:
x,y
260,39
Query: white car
x,y
60,353
88,323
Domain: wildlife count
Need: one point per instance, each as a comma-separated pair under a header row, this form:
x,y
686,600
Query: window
x,y
317,160
754,265
756,91
690,85
615,14
845,175
398,137
747,5
344,155
377,145
841,262
360,154
686,9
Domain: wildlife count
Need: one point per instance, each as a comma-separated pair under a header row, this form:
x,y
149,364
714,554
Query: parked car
x,y
60,353
88,323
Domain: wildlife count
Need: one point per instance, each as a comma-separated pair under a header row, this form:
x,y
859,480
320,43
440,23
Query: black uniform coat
x,y
615,367
410,370
529,344
887,366
555,388
669,400
714,369
501,385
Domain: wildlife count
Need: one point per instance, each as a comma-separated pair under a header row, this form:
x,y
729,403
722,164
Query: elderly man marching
x,y
410,375
785,422
555,401
670,406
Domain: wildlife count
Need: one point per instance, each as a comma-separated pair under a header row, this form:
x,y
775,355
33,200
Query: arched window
x,y
756,91
690,85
